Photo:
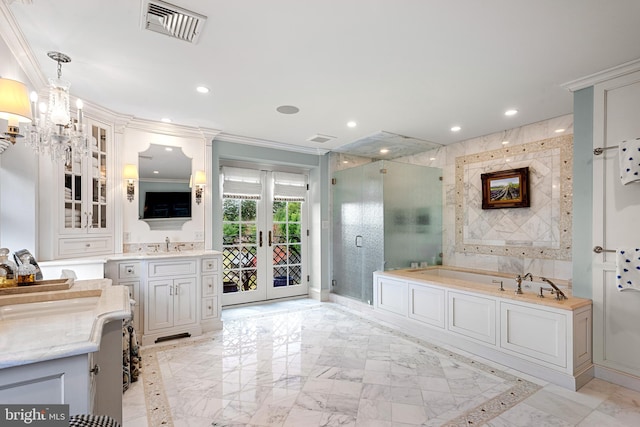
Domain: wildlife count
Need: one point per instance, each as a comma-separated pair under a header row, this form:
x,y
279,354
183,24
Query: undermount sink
x,y
30,310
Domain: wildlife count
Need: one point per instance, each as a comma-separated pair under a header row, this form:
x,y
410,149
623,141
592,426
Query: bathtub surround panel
x,y
541,231
543,337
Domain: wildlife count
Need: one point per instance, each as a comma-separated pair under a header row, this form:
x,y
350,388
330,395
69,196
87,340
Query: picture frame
x,y
505,189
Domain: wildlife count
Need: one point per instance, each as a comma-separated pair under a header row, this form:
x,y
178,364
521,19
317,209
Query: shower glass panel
x,y
412,215
385,216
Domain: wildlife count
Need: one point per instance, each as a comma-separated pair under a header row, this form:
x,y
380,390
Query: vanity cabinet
x,y
90,383
128,274
210,279
80,193
170,303
176,294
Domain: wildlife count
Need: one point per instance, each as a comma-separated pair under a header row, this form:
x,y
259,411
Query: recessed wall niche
x,y
540,231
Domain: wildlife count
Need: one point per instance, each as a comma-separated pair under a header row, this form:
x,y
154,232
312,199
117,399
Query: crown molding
x,y
601,76
15,40
270,144
171,129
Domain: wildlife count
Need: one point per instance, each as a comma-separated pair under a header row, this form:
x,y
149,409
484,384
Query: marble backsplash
x,y
545,231
162,247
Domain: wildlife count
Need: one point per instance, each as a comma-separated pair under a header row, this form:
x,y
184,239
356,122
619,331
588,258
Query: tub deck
x,y
482,282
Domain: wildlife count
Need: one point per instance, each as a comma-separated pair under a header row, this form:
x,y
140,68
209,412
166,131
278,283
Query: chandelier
x,y
53,130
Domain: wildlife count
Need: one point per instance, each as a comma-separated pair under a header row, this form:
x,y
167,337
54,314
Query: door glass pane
x,y
287,251
239,249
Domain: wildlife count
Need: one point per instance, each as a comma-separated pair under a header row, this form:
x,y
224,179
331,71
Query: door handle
x,y
270,241
358,241
260,239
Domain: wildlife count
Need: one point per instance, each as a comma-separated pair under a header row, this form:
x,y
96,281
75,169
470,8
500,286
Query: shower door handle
x,y
260,239
358,241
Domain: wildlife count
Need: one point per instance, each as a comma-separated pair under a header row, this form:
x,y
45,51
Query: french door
x,y
264,237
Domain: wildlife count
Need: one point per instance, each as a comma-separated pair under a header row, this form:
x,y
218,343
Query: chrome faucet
x,y
167,241
559,294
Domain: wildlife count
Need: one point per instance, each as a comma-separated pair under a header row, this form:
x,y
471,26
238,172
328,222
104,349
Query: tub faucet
x,y
529,276
519,283
167,241
559,294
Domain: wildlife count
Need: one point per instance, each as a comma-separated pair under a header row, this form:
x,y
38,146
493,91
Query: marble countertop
x,y
130,255
529,295
41,337
161,254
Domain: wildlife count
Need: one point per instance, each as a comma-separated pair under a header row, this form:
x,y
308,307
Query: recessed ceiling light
x,y
352,124
166,120
384,151
202,89
511,112
456,129
287,109
432,158
505,142
168,149
156,171
559,130
346,162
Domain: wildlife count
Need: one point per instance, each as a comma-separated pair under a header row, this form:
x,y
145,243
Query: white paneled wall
x,y
616,217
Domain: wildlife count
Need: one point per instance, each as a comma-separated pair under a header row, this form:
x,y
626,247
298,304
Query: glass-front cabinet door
x,y
86,180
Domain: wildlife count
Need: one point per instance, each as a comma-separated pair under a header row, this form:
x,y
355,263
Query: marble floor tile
x,y
305,363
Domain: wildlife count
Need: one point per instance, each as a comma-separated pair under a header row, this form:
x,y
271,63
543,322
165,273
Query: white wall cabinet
x,y
79,192
544,341
175,294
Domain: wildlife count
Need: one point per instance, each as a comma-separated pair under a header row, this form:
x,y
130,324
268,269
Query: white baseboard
x,y
620,378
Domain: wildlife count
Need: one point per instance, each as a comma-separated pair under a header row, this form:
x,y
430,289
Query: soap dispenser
x,y
8,270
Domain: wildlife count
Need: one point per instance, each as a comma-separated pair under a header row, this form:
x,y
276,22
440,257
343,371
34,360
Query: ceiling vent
x,y
173,21
319,138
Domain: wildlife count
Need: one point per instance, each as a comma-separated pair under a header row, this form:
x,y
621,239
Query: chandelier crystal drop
x,y
53,130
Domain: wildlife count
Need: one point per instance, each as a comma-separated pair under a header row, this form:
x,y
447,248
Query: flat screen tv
x,y
167,204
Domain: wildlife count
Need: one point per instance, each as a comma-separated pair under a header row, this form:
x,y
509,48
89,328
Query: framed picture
x,y
505,189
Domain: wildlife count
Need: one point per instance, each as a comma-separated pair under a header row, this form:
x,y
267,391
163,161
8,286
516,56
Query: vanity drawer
x,y
128,270
209,285
85,246
209,265
172,268
210,308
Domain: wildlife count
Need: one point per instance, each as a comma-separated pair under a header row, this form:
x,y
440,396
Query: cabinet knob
x,y
88,245
95,370
209,307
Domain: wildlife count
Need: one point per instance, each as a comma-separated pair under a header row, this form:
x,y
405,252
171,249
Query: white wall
x,y
616,211
18,177
138,233
445,158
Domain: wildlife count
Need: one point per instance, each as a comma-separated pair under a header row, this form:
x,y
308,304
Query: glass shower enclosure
x,y
386,215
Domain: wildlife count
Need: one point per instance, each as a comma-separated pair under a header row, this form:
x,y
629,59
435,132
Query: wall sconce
x,y
131,175
15,106
199,181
